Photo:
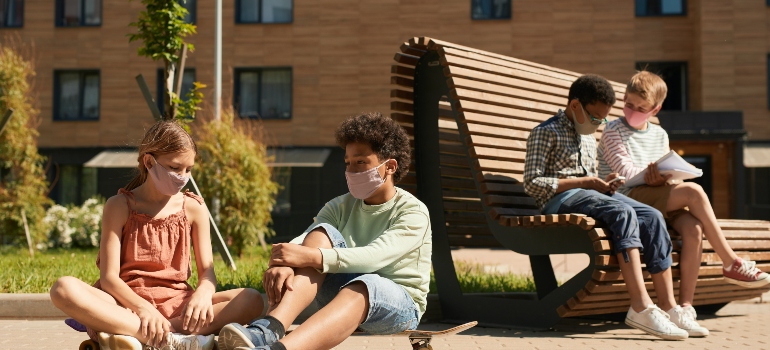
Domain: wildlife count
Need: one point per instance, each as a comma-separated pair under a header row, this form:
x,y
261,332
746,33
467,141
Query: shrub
x,y
232,167
23,185
74,226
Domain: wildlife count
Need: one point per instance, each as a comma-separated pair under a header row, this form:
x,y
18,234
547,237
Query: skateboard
x,y
420,340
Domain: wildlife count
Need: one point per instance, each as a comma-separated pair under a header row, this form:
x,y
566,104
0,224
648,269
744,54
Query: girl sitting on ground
x,y
142,296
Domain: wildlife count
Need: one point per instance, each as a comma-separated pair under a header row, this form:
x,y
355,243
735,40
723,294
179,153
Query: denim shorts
x,y
391,308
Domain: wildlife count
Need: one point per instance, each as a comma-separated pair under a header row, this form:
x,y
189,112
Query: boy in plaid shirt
x,y
560,173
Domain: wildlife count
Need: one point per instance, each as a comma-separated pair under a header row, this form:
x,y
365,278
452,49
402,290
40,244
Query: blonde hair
x,y
164,137
649,86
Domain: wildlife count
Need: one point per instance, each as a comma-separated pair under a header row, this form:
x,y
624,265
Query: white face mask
x,y
363,184
585,128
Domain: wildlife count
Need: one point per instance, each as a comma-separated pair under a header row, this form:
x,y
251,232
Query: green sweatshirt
x,y
392,240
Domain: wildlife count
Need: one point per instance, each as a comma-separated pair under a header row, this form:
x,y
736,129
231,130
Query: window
x,y
491,9
264,11
76,184
190,6
77,13
187,84
263,92
11,13
76,95
675,76
282,175
645,8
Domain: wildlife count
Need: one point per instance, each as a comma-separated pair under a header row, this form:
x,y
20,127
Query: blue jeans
x,y
631,225
391,308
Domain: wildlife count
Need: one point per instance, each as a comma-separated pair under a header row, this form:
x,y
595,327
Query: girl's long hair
x,y
164,137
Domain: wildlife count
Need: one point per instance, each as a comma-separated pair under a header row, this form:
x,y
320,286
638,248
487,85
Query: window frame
x,y
58,20
259,21
510,14
683,14
57,94
192,12
21,24
237,90
159,85
639,65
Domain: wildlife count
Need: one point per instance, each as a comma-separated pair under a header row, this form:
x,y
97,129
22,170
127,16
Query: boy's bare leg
x,y
632,275
691,231
307,283
664,289
334,323
692,196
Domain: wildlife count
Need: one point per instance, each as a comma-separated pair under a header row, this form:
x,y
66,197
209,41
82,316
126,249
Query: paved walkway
x,y
740,325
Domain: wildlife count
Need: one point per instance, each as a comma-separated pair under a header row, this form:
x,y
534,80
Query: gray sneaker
x,y
257,334
684,320
655,321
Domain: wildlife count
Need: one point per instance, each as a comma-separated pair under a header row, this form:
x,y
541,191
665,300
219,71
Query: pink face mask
x,y
167,182
635,118
363,184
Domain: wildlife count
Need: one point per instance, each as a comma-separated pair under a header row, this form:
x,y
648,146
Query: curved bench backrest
x,y
498,100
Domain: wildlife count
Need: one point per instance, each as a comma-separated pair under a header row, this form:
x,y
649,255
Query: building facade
x,y
302,66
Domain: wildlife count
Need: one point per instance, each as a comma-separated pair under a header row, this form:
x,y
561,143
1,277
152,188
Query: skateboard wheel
x,y
89,345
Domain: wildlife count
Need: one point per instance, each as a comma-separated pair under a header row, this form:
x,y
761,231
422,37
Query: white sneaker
x,y
684,320
690,311
109,341
655,321
176,341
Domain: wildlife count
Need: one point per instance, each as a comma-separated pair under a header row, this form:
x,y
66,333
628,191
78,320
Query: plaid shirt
x,y
556,151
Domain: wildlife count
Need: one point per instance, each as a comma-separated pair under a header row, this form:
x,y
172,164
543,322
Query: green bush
x,y
232,167
74,226
23,185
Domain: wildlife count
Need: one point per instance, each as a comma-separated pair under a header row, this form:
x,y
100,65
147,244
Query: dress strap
x,y
194,196
128,195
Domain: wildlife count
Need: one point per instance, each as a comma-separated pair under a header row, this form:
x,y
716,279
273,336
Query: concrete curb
x,y
28,305
39,305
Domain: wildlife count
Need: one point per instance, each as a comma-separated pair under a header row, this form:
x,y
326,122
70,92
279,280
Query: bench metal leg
x,y
542,271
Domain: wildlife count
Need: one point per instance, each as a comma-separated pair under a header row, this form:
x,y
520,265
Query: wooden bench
x,y
470,113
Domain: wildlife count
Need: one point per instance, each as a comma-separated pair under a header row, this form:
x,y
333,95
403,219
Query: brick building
x,y
303,66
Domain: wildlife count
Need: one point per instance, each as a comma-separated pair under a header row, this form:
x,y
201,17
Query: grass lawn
x,y
21,274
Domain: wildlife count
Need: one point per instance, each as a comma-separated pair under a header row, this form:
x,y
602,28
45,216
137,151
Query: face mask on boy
x,y
589,126
167,182
363,184
636,118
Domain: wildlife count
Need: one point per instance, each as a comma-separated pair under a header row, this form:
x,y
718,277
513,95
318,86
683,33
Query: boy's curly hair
x,y
386,138
590,89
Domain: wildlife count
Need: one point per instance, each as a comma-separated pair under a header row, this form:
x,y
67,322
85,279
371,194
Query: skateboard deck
x,y
420,340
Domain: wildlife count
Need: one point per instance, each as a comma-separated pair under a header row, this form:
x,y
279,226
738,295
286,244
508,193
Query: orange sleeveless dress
x,y
155,257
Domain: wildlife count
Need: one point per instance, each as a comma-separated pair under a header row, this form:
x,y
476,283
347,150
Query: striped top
x,y
628,151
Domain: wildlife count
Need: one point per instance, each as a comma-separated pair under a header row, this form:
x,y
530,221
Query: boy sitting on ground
x,y
366,258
